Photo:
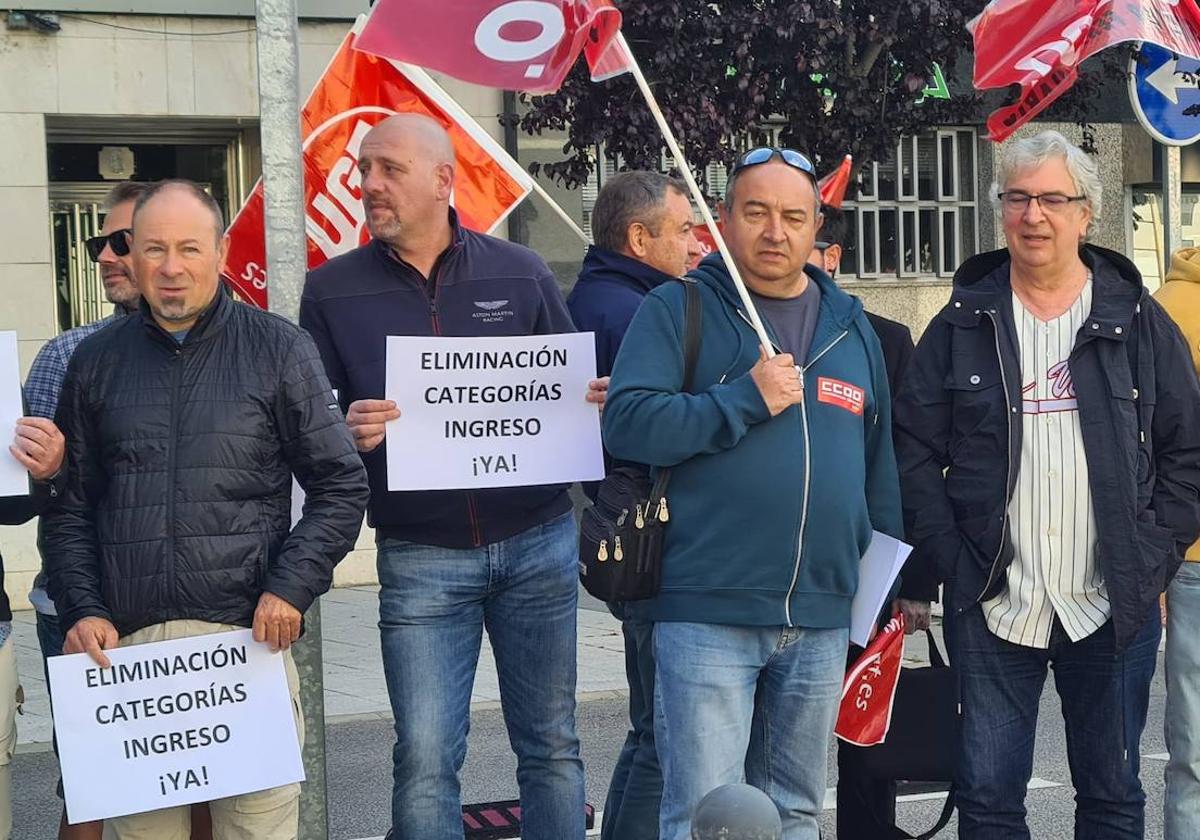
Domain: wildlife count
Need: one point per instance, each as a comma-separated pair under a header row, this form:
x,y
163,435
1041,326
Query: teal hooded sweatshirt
x,y
769,516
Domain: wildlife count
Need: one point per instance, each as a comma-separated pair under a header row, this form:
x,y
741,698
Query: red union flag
x,y
833,186
870,688
1039,45
525,45
357,91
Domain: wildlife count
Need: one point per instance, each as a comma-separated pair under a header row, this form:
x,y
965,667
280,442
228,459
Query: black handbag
x,y
620,536
923,738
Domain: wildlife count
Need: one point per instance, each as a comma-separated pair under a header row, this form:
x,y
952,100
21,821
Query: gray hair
x,y
1032,152
627,198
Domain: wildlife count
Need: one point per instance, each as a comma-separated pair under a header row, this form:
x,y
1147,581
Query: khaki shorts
x,y
10,691
267,815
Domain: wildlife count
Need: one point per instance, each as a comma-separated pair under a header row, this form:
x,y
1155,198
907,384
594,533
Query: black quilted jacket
x,y
178,498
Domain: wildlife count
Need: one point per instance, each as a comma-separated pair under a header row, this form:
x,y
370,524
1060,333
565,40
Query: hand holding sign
x,y
368,421
39,446
276,622
598,391
92,636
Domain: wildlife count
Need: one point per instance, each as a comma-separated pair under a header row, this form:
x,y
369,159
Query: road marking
x,y
1158,756
831,793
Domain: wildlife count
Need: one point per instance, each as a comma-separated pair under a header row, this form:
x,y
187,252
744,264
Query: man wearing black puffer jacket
x,y
186,424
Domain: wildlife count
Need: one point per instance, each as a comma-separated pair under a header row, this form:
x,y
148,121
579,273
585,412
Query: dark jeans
x,y
51,638
1104,700
634,794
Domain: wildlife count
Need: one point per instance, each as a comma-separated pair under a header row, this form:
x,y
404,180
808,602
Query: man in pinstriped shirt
x,y
1051,517
1048,433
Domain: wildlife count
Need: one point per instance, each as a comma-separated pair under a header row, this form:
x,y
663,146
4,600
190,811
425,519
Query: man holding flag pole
x,y
753,592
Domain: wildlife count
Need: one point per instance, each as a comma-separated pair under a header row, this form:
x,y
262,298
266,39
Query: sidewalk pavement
x,y
354,683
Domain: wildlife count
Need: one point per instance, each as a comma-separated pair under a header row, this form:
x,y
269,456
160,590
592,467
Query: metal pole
x,y
1172,182
283,205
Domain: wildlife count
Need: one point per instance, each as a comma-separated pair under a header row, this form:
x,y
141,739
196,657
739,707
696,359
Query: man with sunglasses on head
x,y
110,251
782,469
1048,431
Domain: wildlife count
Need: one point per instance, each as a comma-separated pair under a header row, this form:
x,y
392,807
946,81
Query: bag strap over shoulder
x,y
693,321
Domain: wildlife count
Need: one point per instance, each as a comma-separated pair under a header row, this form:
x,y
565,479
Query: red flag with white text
x,y
1039,45
869,690
357,91
527,45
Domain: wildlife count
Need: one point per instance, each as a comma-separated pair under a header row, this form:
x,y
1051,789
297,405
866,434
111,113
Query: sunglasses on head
x,y
115,240
762,154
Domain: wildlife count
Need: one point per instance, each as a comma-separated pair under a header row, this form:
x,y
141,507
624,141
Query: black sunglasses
x,y
115,240
762,154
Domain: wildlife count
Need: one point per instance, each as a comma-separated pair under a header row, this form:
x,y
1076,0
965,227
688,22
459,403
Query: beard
x,y
387,230
177,311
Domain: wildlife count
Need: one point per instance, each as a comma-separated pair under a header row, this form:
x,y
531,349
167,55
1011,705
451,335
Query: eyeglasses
x,y
762,154
822,246
1016,202
115,240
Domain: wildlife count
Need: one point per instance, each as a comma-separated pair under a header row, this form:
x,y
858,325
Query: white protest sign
x,y
14,481
172,723
492,412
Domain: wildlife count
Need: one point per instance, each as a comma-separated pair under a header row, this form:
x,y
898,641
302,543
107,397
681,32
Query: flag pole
x,y
562,214
698,197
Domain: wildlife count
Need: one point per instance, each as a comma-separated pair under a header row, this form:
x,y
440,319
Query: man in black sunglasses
x,y
782,469
110,252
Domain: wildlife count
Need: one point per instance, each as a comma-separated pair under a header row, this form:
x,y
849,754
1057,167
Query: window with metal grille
x,y
915,213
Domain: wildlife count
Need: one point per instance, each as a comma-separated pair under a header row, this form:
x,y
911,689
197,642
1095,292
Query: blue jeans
x,y
634,795
1104,701
1181,812
434,604
746,703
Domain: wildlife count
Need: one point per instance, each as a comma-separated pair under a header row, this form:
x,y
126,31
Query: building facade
x,y
148,89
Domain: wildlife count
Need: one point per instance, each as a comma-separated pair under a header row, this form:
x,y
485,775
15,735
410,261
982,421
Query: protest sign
x,y
172,723
14,481
492,412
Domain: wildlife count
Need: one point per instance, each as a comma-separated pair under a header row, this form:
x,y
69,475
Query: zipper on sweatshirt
x,y
787,602
1008,413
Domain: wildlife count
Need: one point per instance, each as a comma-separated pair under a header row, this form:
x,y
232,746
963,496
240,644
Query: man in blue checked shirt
x,y
110,252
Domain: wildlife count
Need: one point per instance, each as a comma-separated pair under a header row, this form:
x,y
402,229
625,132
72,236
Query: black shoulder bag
x,y
620,536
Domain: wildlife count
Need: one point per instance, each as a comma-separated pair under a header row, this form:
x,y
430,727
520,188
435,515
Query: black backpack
x,y
620,536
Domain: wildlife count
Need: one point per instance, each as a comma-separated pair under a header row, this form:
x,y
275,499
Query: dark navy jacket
x,y
609,290
480,286
958,436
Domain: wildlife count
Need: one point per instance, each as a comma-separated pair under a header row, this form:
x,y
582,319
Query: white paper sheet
x,y
467,420
877,571
14,480
132,739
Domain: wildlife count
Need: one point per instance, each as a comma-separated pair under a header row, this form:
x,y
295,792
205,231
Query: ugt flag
x,y
525,45
357,91
1039,45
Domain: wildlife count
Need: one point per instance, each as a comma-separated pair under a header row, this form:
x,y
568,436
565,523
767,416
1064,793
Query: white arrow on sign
x,y
1168,82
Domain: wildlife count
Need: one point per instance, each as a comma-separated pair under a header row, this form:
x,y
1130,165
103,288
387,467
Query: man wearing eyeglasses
x,y
1048,432
110,252
782,468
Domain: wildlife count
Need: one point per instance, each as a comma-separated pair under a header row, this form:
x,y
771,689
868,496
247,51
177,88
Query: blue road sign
x,y
1161,87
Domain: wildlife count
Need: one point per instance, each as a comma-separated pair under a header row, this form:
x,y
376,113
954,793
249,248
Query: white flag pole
x,y
698,197
562,214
